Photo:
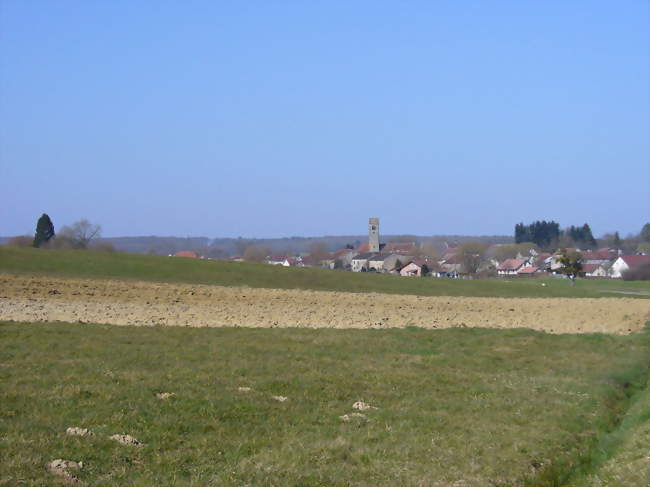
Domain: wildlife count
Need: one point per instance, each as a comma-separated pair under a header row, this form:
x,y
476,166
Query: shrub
x,y
641,273
21,241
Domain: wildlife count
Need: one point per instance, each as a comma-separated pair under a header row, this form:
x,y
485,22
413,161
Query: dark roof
x,y
589,268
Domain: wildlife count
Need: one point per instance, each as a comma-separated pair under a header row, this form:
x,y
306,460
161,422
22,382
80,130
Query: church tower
x,y
373,234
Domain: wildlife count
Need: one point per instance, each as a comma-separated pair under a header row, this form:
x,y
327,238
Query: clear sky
x,y
279,118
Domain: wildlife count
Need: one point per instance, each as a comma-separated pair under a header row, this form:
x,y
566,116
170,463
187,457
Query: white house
x,y
596,270
627,262
360,261
411,270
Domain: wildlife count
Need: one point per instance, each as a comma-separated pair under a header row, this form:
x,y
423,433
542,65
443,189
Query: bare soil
x,y
34,298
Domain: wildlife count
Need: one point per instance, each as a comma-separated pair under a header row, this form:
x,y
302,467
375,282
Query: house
x,y
278,260
411,270
451,264
600,256
344,257
402,248
528,271
510,267
553,262
385,262
596,270
359,262
627,262
187,253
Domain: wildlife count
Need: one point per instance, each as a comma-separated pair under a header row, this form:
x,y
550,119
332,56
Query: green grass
x,y
622,457
164,269
463,407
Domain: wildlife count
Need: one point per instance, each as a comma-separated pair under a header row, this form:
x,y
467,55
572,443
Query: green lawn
x,y
85,264
462,407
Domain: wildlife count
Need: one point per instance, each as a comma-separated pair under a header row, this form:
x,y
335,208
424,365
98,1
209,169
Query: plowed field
x,y
32,298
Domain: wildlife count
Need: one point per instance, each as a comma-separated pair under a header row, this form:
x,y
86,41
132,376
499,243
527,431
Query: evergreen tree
x,y
645,233
581,235
541,233
44,230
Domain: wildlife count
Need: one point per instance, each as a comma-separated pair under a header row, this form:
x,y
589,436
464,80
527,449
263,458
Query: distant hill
x,y
224,247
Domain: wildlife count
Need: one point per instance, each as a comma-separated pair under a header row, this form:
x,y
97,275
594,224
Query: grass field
x,y
461,407
164,269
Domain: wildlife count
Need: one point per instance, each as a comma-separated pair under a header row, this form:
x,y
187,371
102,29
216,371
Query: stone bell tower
x,y
373,234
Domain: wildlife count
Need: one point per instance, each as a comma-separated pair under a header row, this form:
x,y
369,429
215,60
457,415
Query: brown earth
x,y
33,298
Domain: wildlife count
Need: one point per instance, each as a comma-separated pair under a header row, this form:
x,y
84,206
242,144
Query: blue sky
x,y
281,118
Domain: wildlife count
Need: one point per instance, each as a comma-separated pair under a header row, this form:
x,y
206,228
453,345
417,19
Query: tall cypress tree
x,y
44,230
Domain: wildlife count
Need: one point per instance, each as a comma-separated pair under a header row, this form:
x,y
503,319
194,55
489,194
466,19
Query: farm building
x,y
510,267
411,270
530,270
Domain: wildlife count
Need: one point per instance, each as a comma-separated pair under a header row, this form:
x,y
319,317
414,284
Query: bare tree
x,y
240,245
472,255
254,254
80,233
428,250
318,252
21,241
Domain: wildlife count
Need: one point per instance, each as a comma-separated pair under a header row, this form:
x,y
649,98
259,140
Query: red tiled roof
x,y
403,246
602,254
363,248
511,264
635,260
339,253
528,270
589,268
187,253
277,258
431,265
449,255
453,259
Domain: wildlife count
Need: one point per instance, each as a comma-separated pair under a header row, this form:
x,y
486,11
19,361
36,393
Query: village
x,y
410,259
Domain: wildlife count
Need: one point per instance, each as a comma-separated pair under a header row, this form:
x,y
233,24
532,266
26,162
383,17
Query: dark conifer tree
x,y
44,230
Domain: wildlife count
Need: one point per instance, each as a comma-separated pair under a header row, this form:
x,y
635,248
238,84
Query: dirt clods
x,y
74,431
165,395
346,418
126,440
27,298
362,406
62,468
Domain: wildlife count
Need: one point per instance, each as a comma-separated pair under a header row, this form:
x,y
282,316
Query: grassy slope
x,y
165,269
623,456
475,407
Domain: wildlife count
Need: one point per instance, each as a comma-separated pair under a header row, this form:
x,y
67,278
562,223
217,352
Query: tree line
x,y
80,235
548,236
